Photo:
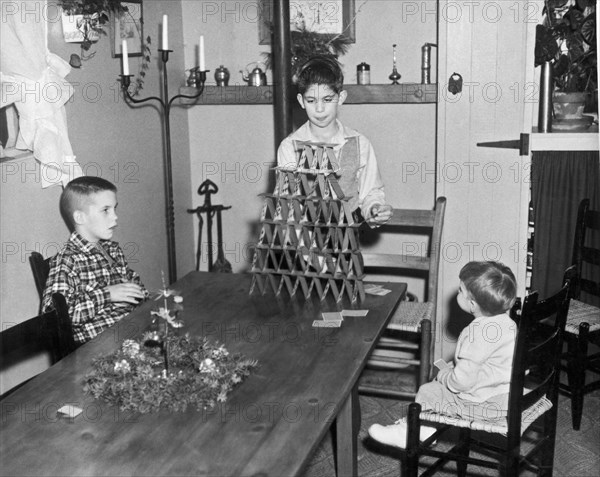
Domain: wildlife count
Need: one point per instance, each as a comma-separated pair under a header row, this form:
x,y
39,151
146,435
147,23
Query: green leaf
x,y
588,30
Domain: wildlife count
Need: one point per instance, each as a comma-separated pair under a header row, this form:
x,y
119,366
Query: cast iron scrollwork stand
x,y
165,104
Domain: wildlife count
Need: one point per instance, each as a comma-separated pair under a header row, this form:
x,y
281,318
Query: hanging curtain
x,y
33,79
559,181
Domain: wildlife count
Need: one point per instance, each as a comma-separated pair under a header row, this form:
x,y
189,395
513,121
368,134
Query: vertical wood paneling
x,y
486,45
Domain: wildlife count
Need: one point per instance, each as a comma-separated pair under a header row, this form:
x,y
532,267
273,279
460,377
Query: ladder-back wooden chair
x,y
583,320
533,405
408,339
48,332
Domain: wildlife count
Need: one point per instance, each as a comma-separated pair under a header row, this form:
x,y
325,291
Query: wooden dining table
x,y
271,423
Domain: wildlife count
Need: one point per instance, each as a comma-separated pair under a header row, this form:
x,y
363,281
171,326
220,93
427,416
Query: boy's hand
x,y
379,215
442,375
126,293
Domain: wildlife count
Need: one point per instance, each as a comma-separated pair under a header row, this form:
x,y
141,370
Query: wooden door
x,y
490,45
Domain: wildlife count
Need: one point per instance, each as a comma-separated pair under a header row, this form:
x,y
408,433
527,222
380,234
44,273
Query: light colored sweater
x,y
483,359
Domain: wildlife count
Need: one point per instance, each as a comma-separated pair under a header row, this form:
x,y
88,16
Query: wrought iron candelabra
x,y
165,109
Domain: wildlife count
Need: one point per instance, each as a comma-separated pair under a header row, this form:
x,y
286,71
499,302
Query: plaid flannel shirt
x,y
82,273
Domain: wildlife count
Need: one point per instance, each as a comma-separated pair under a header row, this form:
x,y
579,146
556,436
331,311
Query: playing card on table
x,y
327,324
332,316
370,287
70,411
354,312
376,290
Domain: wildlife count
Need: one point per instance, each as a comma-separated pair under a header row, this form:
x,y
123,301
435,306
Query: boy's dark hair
x,y
76,193
320,70
491,284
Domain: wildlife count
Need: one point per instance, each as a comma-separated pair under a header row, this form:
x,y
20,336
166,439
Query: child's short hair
x,y
491,284
76,193
323,70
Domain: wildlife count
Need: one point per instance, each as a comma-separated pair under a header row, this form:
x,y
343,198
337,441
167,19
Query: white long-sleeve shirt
x,y
483,359
370,185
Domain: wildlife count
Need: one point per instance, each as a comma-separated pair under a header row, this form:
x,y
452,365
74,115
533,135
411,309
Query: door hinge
x,y
522,144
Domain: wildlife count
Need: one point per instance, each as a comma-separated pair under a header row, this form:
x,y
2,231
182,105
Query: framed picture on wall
x,y
128,26
328,17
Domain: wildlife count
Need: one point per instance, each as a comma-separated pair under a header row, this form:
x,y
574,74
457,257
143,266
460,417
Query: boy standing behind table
x,y
320,93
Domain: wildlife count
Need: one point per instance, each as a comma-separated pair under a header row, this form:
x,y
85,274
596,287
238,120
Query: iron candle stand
x,y
165,108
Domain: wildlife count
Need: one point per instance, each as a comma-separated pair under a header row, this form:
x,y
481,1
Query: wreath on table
x,y
134,378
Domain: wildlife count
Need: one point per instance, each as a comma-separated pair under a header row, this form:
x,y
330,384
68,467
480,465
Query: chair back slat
x,y
401,262
592,219
588,286
534,392
590,255
412,218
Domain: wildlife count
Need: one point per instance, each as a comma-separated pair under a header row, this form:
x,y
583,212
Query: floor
x,y
577,452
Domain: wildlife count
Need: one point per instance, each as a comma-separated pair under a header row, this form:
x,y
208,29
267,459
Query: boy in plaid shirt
x,y
91,271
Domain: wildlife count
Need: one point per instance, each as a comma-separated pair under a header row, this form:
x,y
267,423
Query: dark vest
x,y
349,167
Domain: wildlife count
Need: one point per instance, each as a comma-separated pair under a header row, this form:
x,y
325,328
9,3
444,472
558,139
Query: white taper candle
x,y
125,58
201,53
165,33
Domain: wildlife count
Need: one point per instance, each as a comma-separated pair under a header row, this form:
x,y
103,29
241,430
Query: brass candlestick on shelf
x,y
165,108
426,63
395,76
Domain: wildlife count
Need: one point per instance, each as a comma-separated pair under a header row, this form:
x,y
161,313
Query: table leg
x,y
347,426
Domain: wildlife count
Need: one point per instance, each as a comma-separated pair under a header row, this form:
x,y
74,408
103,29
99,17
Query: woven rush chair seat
x,y
410,314
409,318
580,312
499,426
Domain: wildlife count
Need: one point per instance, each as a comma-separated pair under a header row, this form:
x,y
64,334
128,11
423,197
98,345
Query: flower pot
x,y
569,105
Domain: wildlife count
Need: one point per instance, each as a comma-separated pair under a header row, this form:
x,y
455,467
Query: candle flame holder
x,y
165,109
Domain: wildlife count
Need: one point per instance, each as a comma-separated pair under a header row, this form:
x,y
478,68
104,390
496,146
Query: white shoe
x,y
395,434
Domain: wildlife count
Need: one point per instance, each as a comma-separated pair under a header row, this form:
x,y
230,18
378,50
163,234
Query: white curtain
x,y
33,79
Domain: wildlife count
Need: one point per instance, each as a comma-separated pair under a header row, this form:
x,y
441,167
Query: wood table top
x,y
270,424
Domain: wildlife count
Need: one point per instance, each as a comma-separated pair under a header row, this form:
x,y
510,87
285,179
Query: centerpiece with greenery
x,y
164,370
567,40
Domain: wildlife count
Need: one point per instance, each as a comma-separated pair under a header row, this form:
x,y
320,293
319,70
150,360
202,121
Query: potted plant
x,y
306,43
567,40
90,17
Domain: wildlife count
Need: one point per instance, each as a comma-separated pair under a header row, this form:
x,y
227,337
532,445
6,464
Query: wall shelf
x,y
403,93
565,141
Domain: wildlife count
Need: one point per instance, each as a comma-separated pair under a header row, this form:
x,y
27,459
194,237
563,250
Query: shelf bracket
x,y
522,144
